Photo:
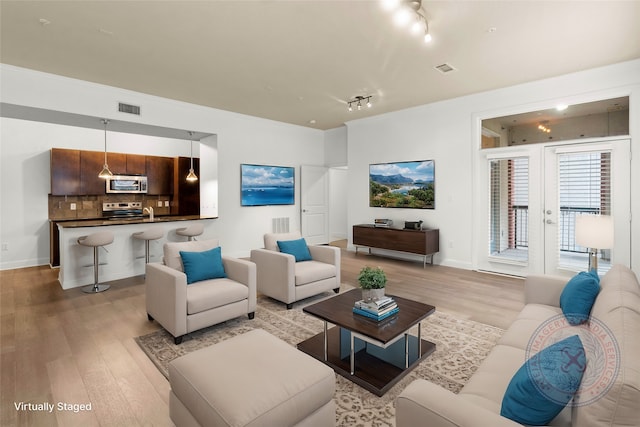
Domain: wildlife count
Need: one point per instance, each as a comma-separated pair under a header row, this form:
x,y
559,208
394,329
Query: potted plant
x,y
372,281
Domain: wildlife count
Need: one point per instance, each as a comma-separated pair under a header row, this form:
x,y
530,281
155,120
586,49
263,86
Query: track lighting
x,y
406,11
358,100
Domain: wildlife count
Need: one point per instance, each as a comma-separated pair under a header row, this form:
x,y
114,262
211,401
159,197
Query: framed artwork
x,y
263,185
403,185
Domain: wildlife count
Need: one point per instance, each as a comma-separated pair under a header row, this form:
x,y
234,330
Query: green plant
x,y
372,278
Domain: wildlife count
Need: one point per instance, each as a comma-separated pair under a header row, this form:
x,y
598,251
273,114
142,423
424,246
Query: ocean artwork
x,y
402,185
267,185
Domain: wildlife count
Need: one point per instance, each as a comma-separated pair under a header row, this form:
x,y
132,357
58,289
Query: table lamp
x,y
594,232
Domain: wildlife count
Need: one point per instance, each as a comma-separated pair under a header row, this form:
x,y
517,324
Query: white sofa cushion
x,y
172,251
208,294
312,271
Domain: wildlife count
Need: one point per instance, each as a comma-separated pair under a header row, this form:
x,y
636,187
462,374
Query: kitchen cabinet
x,y
91,163
159,175
136,164
65,172
186,195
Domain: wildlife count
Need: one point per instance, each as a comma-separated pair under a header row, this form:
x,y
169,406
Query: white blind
x,y
509,208
584,188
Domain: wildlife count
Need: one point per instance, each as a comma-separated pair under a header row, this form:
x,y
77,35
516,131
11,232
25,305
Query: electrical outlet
x,y
159,203
166,203
5,247
73,206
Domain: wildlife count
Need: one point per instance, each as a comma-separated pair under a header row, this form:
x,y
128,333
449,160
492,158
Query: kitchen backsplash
x,y
87,207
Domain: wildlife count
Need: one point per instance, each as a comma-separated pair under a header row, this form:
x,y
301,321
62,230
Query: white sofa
x,y
617,306
282,278
182,308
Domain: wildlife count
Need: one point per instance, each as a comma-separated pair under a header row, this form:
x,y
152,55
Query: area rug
x,y
461,345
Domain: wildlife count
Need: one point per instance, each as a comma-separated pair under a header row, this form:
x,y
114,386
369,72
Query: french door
x,y
530,200
586,179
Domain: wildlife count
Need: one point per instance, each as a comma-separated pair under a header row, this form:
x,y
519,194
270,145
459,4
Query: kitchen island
x,y
121,259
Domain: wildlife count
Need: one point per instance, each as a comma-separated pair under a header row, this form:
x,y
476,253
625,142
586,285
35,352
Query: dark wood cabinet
x,y
91,163
159,175
136,164
65,172
421,242
186,194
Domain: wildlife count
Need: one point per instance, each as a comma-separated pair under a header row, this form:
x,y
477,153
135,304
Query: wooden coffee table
x,y
374,355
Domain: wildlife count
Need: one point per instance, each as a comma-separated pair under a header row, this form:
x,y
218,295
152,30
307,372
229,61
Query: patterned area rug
x,y
461,345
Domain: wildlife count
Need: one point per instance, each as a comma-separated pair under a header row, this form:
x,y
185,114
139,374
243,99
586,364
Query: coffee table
x,y
374,355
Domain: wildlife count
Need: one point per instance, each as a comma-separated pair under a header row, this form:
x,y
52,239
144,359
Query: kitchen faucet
x,y
149,210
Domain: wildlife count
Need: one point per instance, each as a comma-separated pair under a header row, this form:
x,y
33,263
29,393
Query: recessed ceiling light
x,y
492,29
106,32
312,122
561,107
43,21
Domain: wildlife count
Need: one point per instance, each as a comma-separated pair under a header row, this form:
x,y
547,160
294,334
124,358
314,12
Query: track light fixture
x,y
409,12
358,100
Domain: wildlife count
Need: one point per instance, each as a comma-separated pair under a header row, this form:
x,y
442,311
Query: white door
x,y
314,202
586,179
531,195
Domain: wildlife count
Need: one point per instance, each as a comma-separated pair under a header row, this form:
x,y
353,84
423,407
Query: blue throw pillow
x,y
545,384
578,296
298,248
203,265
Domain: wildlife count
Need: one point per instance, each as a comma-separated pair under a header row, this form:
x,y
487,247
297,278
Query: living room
x,y
447,131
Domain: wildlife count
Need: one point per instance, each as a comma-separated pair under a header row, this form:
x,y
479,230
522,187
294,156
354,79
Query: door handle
x,y
550,222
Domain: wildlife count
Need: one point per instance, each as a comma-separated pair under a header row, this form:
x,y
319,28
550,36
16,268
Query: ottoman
x,y
253,379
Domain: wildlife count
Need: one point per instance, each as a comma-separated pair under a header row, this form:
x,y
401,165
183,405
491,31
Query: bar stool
x,y
153,233
191,231
96,240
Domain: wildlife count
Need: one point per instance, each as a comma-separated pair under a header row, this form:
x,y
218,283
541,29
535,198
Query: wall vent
x,y
280,225
445,68
128,108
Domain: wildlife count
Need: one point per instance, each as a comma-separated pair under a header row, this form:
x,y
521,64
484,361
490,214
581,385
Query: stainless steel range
x,y
122,210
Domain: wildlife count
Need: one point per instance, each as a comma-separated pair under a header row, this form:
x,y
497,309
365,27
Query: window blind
x,y
584,188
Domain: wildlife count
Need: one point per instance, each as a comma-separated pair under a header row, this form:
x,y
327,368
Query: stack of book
x,y
376,310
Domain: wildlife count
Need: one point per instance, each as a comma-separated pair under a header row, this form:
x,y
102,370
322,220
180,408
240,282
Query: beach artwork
x,y
267,185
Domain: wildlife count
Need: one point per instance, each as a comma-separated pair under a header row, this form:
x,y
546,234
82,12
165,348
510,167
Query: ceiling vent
x,y
129,109
445,68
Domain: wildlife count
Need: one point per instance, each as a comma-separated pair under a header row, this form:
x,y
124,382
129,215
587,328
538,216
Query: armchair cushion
x,y
209,294
171,256
298,248
313,271
203,265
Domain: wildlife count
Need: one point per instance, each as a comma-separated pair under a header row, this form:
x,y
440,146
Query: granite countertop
x,y
99,222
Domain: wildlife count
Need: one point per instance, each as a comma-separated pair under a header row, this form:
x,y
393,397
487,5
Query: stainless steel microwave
x,y
127,184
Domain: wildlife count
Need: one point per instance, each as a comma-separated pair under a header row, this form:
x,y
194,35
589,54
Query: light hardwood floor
x,y
71,347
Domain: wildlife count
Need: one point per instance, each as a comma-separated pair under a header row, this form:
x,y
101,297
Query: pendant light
x,y
192,175
105,172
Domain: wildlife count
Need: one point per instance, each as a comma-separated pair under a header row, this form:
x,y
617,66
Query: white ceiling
x,y
301,61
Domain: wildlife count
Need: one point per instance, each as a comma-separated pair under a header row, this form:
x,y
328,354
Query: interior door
x,y
586,179
314,202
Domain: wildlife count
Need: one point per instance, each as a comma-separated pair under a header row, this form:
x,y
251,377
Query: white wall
x,y
24,150
449,133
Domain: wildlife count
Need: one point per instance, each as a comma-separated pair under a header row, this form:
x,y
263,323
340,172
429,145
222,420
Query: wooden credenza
x,y
421,242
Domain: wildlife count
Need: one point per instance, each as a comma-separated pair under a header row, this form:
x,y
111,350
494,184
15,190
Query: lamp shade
x,y
594,231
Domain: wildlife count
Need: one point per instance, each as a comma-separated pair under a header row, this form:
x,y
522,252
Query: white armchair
x,y
280,277
182,308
